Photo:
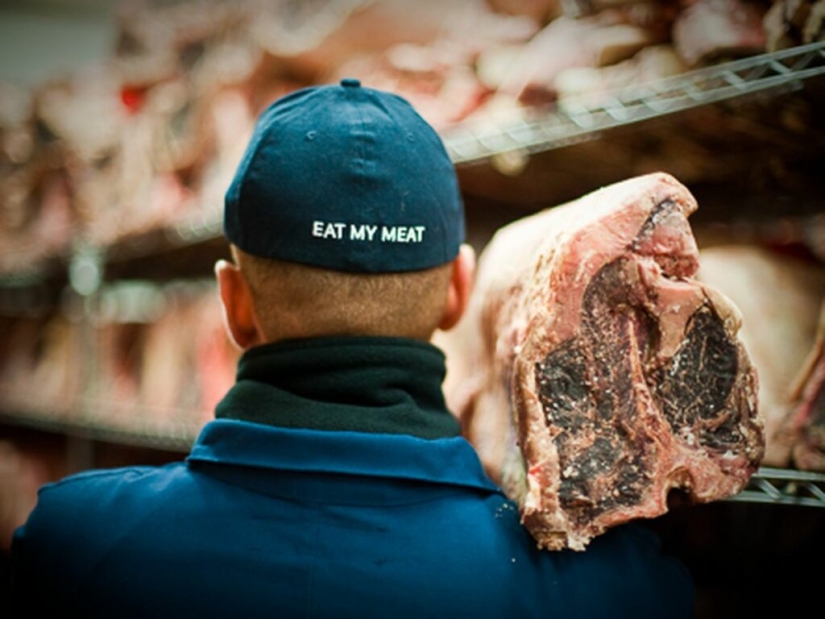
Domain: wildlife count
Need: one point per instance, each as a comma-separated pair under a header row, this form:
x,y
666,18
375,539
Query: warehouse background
x,y
120,123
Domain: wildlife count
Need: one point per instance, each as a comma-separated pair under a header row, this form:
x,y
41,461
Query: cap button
x,y
350,82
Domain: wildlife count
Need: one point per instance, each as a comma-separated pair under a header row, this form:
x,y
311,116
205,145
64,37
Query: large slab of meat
x,y
594,374
779,297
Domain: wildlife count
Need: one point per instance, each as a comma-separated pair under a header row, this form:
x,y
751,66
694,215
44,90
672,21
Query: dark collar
x,y
362,384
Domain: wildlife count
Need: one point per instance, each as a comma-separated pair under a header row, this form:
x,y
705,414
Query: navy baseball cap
x,y
346,178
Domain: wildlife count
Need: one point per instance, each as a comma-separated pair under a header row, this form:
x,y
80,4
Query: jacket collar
x,y
235,450
360,384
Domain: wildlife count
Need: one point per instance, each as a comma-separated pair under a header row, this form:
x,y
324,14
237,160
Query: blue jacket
x,y
264,519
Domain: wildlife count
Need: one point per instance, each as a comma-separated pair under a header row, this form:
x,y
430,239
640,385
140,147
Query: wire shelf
x,y
576,122
169,436
586,119
768,485
784,487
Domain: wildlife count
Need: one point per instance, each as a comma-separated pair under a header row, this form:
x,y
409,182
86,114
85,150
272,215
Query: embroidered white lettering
x,y
367,232
362,232
357,233
402,234
388,234
334,231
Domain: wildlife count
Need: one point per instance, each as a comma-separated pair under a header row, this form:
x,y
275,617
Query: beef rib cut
x,y
594,374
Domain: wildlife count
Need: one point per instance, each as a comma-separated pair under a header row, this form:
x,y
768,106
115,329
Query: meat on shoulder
x,y
594,374
779,297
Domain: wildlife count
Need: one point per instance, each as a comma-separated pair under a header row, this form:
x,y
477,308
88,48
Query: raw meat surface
x,y
807,419
779,297
712,29
594,375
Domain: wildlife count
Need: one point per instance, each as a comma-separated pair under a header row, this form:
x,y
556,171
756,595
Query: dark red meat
x,y
594,374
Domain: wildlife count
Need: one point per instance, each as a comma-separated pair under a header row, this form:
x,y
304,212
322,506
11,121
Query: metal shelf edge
x,y
767,486
637,103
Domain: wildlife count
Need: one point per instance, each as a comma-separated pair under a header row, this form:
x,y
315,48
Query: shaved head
x,y
293,300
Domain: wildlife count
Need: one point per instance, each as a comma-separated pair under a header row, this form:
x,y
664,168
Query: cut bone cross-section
x,y
594,374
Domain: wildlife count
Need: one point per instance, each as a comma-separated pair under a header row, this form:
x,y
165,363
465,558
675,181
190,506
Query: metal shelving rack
x,y
768,485
784,487
785,69
468,144
170,436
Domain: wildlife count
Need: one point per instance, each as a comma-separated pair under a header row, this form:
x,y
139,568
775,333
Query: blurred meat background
x,y
122,122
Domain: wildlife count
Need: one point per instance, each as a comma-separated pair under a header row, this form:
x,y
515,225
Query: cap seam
x,y
362,147
256,151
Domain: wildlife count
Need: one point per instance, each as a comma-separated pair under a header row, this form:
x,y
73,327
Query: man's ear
x,y
461,285
238,309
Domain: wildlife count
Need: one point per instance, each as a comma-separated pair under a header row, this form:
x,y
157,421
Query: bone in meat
x,y
594,374
779,297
